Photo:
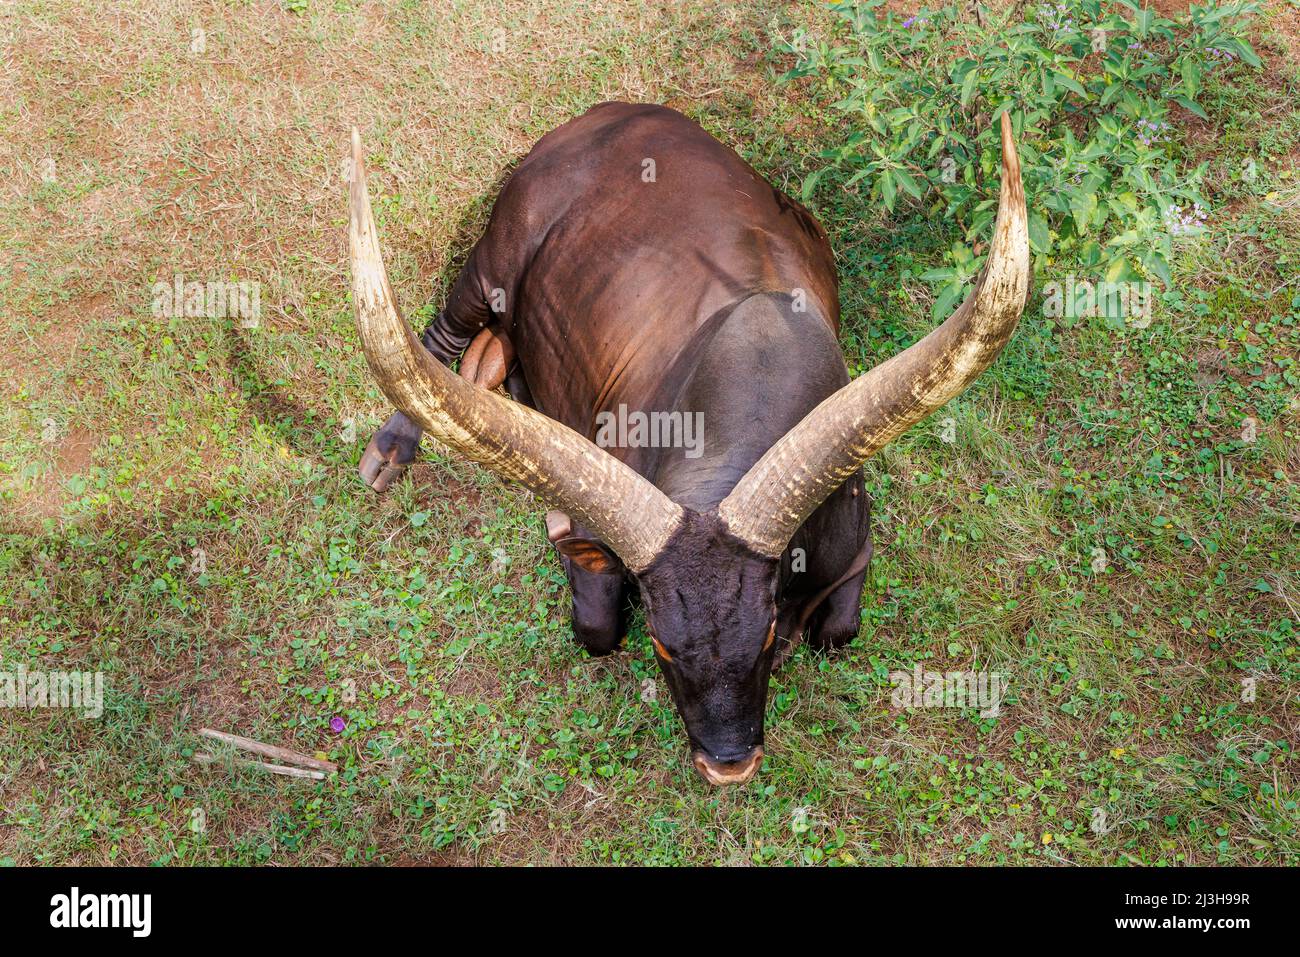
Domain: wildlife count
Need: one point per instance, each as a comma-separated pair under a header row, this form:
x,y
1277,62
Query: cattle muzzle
x,y
722,770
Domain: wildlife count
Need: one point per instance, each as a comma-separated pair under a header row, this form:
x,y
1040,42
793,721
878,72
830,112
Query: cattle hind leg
x,y
390,451
486,362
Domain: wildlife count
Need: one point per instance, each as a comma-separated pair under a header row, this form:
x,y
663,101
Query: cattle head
x,y
710,608
708,581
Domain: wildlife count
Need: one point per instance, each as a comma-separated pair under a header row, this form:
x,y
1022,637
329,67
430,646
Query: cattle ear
x,y
590,555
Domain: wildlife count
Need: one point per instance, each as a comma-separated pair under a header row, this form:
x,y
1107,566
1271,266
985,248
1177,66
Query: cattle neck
x,y
748,378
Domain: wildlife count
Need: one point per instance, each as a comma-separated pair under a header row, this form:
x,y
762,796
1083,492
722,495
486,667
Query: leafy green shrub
x,y
1095,92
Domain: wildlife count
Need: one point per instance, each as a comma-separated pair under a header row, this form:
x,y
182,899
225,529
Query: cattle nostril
x,y
727,758
721,772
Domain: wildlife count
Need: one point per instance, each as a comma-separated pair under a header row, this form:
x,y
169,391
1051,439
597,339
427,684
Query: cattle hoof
x,y
558,525
378,470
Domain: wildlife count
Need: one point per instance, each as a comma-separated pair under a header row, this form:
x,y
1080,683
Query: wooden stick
x,y
270,750
202,758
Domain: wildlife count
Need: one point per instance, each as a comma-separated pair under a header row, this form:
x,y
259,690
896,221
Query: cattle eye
x,y
771,637
660,650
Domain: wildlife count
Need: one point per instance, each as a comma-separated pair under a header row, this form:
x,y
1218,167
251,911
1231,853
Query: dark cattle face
x,y
711,610
698,289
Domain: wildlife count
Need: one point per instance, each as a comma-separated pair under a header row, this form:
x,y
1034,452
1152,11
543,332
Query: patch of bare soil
x,y
46,496
1286,22
29,359
477,684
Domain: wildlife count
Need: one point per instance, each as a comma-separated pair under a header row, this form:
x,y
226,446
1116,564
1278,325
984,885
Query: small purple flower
x,y
919,21
1150,132
1182,221
1074,171
1140,47
1056,18
1220,57
337,724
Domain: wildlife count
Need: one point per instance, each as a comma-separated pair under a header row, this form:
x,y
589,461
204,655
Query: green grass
x,y
441,605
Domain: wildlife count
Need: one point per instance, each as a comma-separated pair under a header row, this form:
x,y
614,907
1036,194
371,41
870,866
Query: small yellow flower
x,y
1047,838
1118,752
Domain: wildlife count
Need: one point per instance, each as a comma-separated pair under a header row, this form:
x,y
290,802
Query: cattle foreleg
x,y
597,581
836,619
599,603
823,606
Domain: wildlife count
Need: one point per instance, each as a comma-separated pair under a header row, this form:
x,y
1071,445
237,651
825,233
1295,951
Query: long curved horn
x,y
562,467
814,458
